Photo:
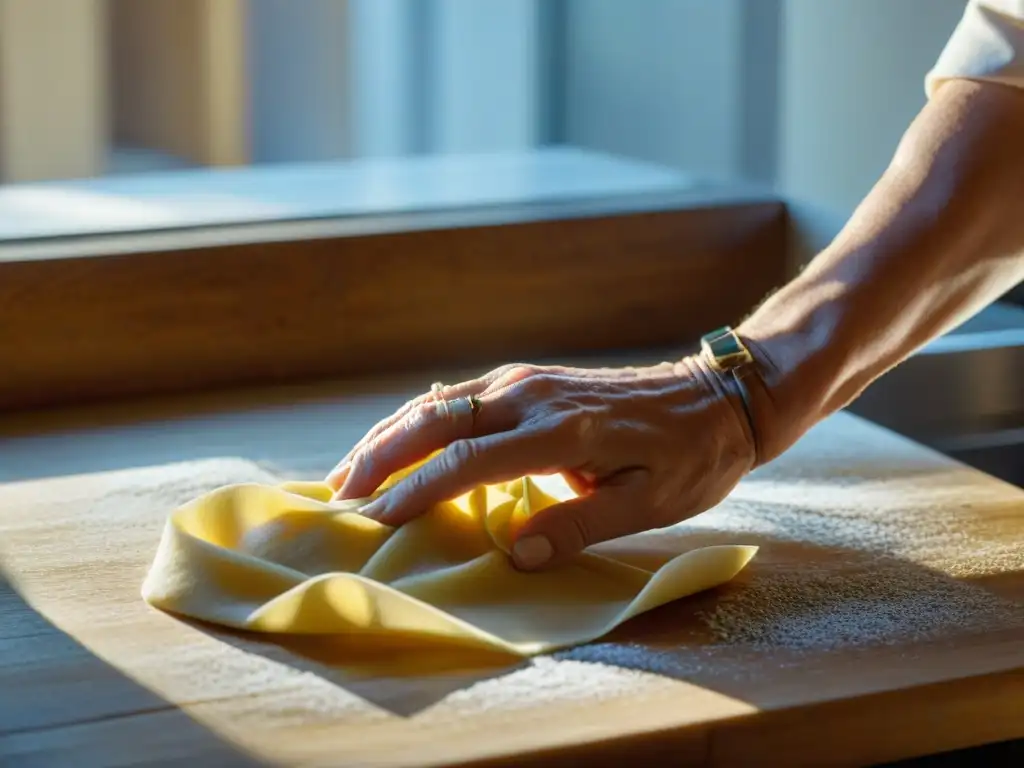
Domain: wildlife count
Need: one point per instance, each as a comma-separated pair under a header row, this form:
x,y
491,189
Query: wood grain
x,y
74,329
89,674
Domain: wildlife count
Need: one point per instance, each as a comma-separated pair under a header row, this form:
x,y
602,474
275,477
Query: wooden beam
x,y
179,83
53,97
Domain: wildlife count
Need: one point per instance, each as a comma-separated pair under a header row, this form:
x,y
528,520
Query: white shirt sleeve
x,y
988,44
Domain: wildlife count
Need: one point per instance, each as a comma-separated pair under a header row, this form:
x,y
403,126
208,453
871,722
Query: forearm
x,y
940,236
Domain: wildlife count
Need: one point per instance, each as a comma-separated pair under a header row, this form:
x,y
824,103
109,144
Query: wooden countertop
x,y
882,618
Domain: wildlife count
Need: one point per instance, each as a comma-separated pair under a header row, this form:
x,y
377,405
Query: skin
x,y
940,236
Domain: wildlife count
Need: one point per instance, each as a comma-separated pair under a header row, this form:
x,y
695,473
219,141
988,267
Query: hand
x,y
643,448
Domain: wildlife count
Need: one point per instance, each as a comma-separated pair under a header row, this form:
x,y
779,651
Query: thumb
x,y
557,533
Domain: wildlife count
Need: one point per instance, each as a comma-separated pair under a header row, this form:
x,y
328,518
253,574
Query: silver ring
x,y
466,406
462,407
443,409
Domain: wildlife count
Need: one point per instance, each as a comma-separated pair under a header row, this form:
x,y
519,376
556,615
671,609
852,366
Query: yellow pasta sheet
x,y
285,559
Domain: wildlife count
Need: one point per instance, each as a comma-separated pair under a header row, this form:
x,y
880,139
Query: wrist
x,y
791,382
743,437
741,375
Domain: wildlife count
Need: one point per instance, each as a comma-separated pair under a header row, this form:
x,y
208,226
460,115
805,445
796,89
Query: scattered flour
x,y
890,602
899,571
867,538
680,663
558,678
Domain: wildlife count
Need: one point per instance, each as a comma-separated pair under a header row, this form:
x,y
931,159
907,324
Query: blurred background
x,y
138,115
354,106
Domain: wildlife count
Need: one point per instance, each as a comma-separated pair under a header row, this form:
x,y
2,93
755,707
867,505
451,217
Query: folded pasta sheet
x,y
285,559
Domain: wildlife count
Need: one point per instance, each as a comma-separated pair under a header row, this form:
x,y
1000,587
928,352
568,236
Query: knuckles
x,y
514,373
458,455
421,416
411,487
541,386
582,531
363,461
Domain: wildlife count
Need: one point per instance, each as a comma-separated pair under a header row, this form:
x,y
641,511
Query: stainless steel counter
x,y
963,394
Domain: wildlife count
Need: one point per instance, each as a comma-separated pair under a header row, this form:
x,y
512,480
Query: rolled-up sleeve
x,y
988,44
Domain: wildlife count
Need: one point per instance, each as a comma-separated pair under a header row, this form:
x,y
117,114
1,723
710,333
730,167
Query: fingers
x,y
465,464
556,534
336,478
423,431
581,483
507,374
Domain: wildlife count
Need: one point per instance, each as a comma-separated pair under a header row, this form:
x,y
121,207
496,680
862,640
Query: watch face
x,y
724,350
718,333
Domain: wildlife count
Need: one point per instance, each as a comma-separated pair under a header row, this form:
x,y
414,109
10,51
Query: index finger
x,y
472,387
465,464
424,430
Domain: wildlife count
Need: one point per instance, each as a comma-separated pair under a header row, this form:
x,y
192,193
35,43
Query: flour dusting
x,y
720,660
555,679
887,551
891,602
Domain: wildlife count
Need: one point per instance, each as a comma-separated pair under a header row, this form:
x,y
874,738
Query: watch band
x,y
728,356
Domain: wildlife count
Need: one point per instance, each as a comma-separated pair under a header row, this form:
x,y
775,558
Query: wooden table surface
x,y
882,618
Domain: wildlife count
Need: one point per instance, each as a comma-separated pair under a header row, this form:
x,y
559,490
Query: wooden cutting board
x,y
883,617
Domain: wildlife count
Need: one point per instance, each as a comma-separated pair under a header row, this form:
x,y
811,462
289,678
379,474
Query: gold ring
x,y
475,404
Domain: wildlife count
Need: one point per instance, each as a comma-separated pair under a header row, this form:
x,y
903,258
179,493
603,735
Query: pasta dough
x,y
285,559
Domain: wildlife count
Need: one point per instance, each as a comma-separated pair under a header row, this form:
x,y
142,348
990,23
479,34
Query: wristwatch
x,y
727,355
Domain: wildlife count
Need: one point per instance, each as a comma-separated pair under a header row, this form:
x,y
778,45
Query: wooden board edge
x,y
877,728
172,321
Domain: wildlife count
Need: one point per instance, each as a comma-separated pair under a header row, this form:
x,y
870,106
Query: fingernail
x,y
374,509
532,551
336,477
